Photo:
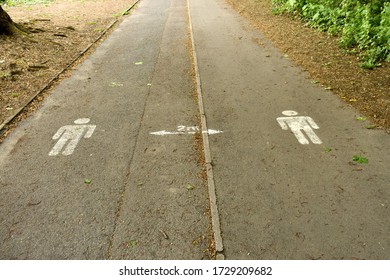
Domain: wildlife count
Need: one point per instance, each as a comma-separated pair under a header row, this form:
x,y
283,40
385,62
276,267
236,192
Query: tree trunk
x,y
7,26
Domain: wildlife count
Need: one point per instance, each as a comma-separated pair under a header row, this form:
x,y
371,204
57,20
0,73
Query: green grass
x,y
25,2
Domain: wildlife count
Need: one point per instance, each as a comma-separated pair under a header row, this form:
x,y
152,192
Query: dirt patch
x,y
60,30
319,54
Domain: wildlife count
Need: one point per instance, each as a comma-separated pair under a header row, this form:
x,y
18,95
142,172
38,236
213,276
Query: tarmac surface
x,y
109,168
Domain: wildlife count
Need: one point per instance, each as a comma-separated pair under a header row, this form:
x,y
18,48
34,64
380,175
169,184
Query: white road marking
x,y
182,129
212,131
71,134
299,124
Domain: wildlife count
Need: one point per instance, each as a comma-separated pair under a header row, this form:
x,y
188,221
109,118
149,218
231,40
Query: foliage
x,y
25,2
362,24
360,159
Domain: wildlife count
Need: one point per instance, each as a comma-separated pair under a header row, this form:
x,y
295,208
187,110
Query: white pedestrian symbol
x,y
71,134
299,124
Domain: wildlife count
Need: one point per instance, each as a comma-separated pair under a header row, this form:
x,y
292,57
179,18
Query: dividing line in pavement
x,y
126,183
206,148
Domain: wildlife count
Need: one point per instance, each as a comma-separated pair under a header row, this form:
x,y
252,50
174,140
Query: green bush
x,y
361,24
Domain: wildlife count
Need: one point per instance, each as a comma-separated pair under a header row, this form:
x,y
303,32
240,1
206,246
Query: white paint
x,y
182,129
299,124
71,135
212,131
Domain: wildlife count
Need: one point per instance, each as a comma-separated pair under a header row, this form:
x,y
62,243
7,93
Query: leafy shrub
x,y
361,24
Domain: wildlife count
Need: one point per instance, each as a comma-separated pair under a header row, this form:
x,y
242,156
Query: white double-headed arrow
x,y
181,129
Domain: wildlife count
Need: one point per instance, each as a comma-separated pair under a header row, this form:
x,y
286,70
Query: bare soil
x,y
60,31
327,64
64,28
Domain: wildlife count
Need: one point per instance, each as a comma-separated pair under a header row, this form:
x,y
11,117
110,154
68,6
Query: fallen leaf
x,y
139,63
132,243
327,149
115,84
360,159
190,187
88,181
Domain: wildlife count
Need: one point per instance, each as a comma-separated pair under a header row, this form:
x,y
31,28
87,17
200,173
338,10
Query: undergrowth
x,y
24,2
362,25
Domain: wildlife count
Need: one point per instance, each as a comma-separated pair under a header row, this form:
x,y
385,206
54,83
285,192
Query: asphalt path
x,y
109,168
121,193
285,195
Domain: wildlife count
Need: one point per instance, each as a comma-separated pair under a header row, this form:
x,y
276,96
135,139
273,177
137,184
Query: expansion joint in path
x,y
127,178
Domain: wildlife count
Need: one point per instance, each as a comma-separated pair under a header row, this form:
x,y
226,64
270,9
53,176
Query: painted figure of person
x,y
298,125
71,135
